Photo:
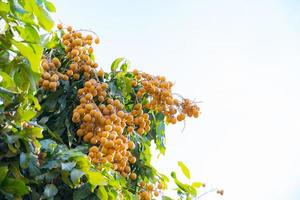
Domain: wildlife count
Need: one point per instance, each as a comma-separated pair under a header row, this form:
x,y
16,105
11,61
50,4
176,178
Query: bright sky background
x,y
241,58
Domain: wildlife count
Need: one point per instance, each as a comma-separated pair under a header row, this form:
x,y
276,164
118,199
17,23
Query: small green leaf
x,y
102,193
184,169
50,6
3,173
24,160
50,191
197,184
173,174
68,166
7,82
116,64
35,132
76,174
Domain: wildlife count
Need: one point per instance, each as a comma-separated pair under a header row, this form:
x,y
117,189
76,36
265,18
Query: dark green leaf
x,y
13,186
3,173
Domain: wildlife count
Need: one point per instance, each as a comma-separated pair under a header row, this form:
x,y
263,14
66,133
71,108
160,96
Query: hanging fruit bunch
x,y
116,113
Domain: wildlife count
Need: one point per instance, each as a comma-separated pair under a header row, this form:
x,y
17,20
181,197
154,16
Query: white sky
x,y
241,58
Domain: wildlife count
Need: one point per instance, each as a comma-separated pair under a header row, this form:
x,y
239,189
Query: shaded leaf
x,y
76,174
50,191
13,186
3,173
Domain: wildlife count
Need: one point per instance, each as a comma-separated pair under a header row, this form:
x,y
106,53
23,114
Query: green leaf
x,y
35,132
50,191
43,18
50,6
102,193
3,173
24,160
197,184
4,7
116,64
166,198
68,166
184,169
48,145
76,174
82,193
28,33
7,82
33,53
13,186
50,40
96,178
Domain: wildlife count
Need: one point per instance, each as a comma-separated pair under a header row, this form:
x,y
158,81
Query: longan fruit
x,y
69,72
149,187
132,159
160,186
59,26
131,145
87,118
45,66
133,176
69,28
97,40
46,75
56,62
46,83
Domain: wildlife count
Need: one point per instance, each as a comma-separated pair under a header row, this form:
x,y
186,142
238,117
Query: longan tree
x,y
69,129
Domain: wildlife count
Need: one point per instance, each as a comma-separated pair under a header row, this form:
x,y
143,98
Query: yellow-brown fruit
x,y
132,176
94,149
69,72
131,145
52,85
160,186
69,28
156,193
97,40
56,62
87,118
59,26
132,160
46,83
149,187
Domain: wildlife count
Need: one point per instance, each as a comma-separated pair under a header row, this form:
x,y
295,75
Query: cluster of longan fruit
x,y
104,125
159,92
138,120
78,49
50,75
147,190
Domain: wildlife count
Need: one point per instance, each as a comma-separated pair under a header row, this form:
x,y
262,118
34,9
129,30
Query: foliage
x,y
43,154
